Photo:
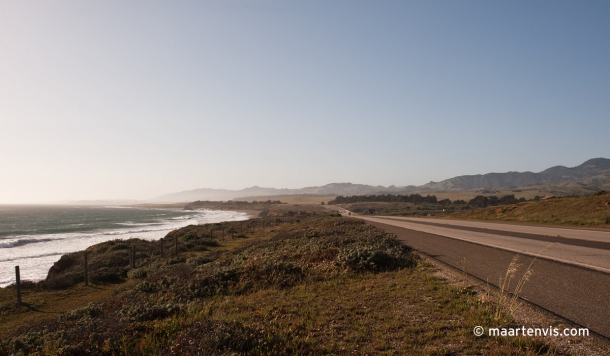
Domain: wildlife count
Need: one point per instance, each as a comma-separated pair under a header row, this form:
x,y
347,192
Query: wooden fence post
x,y
18,285
86,270
130,257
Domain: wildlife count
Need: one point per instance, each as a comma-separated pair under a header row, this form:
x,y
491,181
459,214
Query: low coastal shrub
x,y
137,273
147,311
92,310
199,260
375,258
158,305
175,260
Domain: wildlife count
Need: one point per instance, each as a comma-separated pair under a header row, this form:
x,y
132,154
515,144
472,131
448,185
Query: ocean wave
x,y
140,231
131,223
36,253
32,256
188,217
152,227
7,282
21,242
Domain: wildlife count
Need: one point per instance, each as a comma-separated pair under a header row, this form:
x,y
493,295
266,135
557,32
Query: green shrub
x,y
189,237
375,258
119,247
199,260
175,260
148,311
147,287
64,281
311,234
137,273
92,310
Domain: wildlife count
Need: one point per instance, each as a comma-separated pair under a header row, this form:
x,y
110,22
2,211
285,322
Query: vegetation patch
x,y
325,285
588,210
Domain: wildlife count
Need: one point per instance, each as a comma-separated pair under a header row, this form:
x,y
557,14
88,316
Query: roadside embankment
x,y
590,210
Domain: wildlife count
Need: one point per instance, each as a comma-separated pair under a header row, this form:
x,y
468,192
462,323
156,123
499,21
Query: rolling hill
x,y
593,175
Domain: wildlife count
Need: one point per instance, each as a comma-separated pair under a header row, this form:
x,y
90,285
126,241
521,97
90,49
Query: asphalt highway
x,y
571,267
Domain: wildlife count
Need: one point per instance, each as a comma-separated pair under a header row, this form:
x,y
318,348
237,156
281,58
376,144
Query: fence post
x,y
18,285
86,270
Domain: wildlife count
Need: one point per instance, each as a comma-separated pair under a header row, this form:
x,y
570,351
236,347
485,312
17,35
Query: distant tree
x,y
413,198
481,201
322,203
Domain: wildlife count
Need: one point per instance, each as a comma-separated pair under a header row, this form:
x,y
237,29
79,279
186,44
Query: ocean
x,y
34,237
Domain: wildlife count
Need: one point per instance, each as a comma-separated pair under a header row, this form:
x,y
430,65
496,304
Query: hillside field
x,y
589,210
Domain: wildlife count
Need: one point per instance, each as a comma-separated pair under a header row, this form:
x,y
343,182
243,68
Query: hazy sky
x,y
134,99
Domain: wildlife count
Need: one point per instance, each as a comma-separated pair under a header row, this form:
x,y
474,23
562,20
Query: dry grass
x,y
40,305
507,301
407,312
590,210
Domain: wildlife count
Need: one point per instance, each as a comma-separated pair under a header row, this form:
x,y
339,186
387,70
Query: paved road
x,y
570,277
585,248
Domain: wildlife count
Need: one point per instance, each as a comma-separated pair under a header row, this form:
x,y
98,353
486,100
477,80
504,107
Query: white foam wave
x,y
131,223
32,256
8,243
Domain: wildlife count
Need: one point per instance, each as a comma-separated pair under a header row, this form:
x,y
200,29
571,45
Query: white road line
x,y
587,257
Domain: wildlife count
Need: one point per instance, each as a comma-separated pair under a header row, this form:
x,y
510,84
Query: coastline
x,y
36,253
221,206
250,214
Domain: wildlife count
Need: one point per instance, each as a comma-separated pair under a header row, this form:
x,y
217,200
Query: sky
x,y
135,99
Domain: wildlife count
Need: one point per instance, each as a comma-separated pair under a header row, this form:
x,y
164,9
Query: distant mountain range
x,y
593,174
225,194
